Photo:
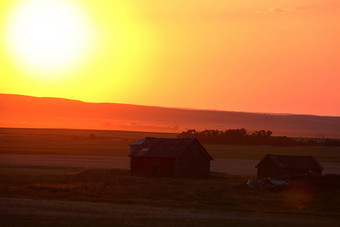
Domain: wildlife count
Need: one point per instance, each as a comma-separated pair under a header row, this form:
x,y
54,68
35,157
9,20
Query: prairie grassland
x,y
116,143
32,212
73,196
78,196
70,141
219,192
324,154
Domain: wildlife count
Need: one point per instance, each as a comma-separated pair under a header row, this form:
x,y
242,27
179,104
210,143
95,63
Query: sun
x,y
48,35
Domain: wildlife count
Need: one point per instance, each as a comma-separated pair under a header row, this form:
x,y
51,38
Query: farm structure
x,y
159,157
288,166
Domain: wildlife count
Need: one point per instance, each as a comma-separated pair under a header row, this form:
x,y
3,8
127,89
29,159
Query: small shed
x,y
288,166
169,157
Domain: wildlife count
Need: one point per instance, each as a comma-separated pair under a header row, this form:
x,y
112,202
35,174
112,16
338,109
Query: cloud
x,y
259,11
282,10
276,10
270,10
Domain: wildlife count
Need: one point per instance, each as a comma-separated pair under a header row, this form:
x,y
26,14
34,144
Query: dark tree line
x,y
261,137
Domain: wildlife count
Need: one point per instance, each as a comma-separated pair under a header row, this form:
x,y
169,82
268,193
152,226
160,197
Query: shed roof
x,y
163,147
292,162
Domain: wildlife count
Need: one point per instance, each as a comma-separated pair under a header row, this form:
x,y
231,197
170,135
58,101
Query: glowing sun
x,y
48,34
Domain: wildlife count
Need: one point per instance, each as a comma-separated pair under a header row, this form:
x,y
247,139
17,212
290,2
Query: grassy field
x,y
220,191
198,201
32,212
69,141
326,154
116,143
54,196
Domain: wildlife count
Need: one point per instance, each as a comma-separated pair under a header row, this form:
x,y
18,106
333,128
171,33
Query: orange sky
x,y
279,56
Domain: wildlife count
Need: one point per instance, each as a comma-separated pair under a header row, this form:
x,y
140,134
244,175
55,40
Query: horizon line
x,y
167,107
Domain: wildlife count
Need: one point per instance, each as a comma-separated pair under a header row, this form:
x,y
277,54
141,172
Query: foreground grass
x,y
29,212
55,196
219,192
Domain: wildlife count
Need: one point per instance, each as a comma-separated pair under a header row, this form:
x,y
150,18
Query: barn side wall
x,y
192,163
316,172
296,173
156,167
268,168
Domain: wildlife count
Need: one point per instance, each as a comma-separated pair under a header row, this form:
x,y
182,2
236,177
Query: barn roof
x,y
292,162
163,147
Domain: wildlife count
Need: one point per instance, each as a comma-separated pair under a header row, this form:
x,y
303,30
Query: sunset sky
x,y
278,56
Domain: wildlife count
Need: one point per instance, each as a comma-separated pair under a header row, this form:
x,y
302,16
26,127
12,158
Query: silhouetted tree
x,y
260,137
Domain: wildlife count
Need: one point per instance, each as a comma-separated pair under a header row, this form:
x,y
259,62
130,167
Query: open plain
x,y
110,149
80,177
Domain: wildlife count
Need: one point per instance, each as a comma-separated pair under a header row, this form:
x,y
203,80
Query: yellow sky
x,y
260,56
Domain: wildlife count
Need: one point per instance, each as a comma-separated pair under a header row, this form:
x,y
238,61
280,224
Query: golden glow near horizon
x,y
259,56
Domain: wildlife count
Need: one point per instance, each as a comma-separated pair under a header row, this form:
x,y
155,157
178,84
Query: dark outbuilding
x,y
169,157
288,166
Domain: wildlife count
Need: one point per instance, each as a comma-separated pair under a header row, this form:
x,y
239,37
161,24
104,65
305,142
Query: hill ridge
x,y
49,112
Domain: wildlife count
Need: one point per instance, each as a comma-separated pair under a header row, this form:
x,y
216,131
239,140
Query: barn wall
x,y
316,172
268,168
192,163
295,173
157,167
192,168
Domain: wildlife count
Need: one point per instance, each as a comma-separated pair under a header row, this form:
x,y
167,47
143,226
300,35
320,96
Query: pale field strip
x,y
228,166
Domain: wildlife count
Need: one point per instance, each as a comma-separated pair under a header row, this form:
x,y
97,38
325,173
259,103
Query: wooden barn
x,y
288,166
169,157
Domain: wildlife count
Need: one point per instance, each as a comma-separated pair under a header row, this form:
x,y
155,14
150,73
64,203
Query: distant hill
x,y
32,112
